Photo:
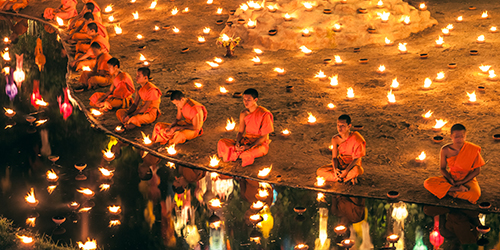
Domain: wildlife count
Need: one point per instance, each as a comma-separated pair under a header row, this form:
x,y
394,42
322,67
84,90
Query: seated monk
x,y
252,140
99,76
348,148
89,6
120,92
146,106
179,131
465,162
80,33
84,55
66,10
14,5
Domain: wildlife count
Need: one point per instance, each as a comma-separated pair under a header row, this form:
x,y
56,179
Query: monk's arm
x,y
105,96
78,29
353,163
257,142
471,175
442,166
335,152
133,107
178,118
196,123
142,109
102,72
241,131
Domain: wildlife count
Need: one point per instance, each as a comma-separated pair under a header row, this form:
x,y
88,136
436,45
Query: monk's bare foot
x,y
462,188
354,181
129,126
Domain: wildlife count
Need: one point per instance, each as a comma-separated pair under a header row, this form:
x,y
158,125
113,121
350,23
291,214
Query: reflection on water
x,y
84,185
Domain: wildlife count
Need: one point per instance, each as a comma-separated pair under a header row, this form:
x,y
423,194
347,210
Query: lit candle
x,y
218,60
272,8
320,181
402,48
230,124
6,40
480,39
118,29
113,223
330,106
484,15
445,31
280,71
210,1
108,8
388,42
262,193
350,93
213,65
52,176
264,173
439,42
311,119
287,17
338,60
320,197
427,83
142,57
26,240
422,6
153,5
146,140
459,19
214,161
337,27
136,15
472,97
395,83
244,7
484,68
255,218
174,11
6,56
86,192
222,90
104,187
427,115
258,51
439,124
206,30
334,81
305,50
9,112
219,11
256,60
320,75
391,98
380,4
251,24
381,69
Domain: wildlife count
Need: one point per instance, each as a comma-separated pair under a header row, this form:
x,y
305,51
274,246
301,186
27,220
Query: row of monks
x,y
460,160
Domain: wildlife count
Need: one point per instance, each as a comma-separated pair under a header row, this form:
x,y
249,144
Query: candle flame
x,y
484,14
381,69
421,157
321,75
440,41
450,27
258,205
111,18
265,172
139,37
387,41
222,90
51,175
206,30
334,80
185,10
31,221
25,239
6,56
285,132
337,27
427,83
51,188
30,198
309,5
84,209
320,181
95,112
118,128
219,11
330,105
256,59
201,39
263,193
89,245
380,3
174,11
460,18
255,217
390,97
218,60
287,16
136,15
272,7
105,172
428,114
493,29
145,139
198,85
320,197
171,150
440,76
480,38
8,111
492,74
118,29
215,203
440,123
40,122
108,8
244,6
85,191
338,60
422,6
406,20
210,1
230,124
41,102
305,50
305,31
279,70
472,96
445,31
113,223
395,83
153,5
214,161
402,47
176,30
59,21
311,119
104,187
212,64
350,92
384,16
114,209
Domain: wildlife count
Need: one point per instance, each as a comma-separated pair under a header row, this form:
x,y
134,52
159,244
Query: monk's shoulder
x,y
244,113
472,145
446,148
336,138
357,136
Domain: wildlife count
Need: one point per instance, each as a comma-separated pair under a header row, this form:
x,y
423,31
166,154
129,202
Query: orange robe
x,y
93,78
85,48
121,96
258,123
353,148
67,11
189,111
82,34
468,159
148,92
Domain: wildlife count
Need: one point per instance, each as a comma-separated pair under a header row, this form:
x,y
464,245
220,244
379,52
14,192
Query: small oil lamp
x,y
9,112
380,4
402,48
427,83
391,98
139,37
480,39
206,30
445,31
153,4
114,209
338,60
472,97
450,27
230,80
230,124
440,76
285,132
334,81
146,140
198,86
388,42
174,11
252,24
185,10
395,83
52,176
308,5
381,69
320,197
222,90
420,158
439,42
86,192
301,246
6,40
320,75
244,6
422,7
459,19
311,119
201,39
108,9
51,188
107,174
320,181
340,229
30,198
427,115
484,15
95,112
287,17
306,32
176,30
104,187
264,173
111,19
219,11
280,71
393,239
256,60
113,223
255,218
491,75
305,50
118,29
136,15
347,243
330,106
26,240
493,29
258,205
214,161
262,194
31,221
213,65
406,20
210,1
89,244
439,124
337,27
272,8
84,209
74,205
258,51
215,203
384,16
171,150
59,21
350,93
218,60
118,129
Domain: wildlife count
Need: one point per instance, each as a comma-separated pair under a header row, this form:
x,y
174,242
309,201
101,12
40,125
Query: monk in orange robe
x,y
120,92
252,141
348,148
84,55
465,162
66,10
89,6
14,5
146,107
99,76
179,131
80,33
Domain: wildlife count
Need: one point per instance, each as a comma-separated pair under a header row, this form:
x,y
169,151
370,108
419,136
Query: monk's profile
x,y
347,149
194,114
252,141
464,162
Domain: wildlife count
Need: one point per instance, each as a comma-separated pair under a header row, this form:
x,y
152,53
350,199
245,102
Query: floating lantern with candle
x,y
30,198
480,39
420,158
388,42
213,65
305,50
118,29
311,119
86,192
330,106
264,173
459,19
136,15
146,140
439,42
214,161
395,83
280,71
334,81
381,69
338,60
472,97
422,6
350,93
439,124
256,60
52,176
440,76
402,48
287,17
206,30
285,132
484,15
89,245
320,75
391,98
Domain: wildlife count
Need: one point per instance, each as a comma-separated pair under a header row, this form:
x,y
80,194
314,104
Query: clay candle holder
x,y
483,229
289,89
327,11
496,137
452,65
473,52
363,61
340,230
485,205
481,89
273,32
437,139
327,61
393,194
424,56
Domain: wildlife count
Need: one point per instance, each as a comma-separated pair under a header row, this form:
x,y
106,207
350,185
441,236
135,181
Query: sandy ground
x,y
395,134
